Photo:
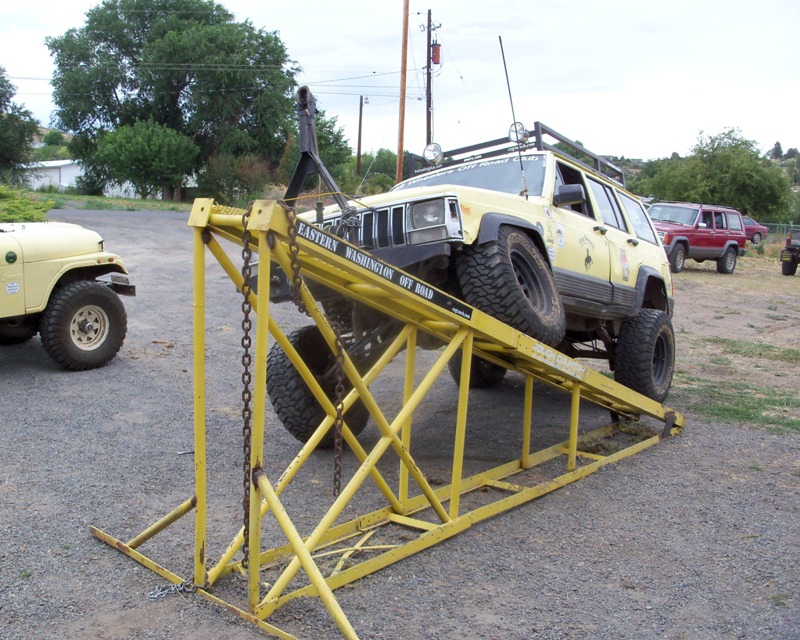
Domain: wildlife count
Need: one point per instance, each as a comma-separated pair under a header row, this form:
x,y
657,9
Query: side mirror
x,y
569,194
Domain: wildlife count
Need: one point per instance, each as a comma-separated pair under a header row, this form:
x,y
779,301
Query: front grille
x,y
380,228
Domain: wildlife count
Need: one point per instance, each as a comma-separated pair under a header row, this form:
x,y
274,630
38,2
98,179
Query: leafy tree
x,y
723,169
331,146
777,151
233,179
147,154
17,130
54,139
184,64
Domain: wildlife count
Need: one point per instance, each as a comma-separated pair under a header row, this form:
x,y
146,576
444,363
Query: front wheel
x,y
645,354
677,259
83,326
509,279
727,263
295,405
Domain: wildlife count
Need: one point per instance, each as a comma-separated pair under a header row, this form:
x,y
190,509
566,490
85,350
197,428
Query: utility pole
x,y
403,63
428,97
358,148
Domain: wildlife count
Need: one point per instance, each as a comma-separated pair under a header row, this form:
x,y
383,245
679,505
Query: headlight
x,y
427,214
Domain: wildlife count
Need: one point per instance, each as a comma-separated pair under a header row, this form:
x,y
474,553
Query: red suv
x,y
701,232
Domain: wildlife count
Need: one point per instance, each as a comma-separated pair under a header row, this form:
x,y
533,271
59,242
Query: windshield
x,y
501,174
669,213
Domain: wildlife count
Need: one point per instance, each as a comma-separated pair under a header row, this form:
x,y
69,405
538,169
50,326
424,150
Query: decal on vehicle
x,y
623,258
551,252
560,236
12,288
382,269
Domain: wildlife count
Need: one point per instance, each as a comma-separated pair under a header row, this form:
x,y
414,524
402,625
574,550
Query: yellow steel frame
x,y
336,264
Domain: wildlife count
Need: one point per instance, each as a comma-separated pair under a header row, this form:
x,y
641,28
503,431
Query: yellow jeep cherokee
x,y
546,240
56,279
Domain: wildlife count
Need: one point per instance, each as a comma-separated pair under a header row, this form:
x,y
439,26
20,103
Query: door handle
x,y
633,241
601,230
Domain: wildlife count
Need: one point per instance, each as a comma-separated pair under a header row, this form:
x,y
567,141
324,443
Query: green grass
x,y
747,349
738,402
67,201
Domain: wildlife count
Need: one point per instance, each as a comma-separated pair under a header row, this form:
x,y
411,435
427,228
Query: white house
x,y
63,174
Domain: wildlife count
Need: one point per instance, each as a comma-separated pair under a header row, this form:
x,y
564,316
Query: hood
x,y
670,227
42,241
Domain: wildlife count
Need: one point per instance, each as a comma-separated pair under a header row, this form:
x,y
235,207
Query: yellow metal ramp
x,y
336,553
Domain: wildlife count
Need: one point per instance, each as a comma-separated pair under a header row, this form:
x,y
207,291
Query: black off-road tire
x,y
18,331
509,279
292,400
83,326
727,263
789,268
677,259
482,375
645,354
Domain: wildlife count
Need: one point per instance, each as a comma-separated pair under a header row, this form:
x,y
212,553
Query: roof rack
x,y
534,139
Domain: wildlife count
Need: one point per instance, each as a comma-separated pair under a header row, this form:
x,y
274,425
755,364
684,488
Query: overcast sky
x,y
639,78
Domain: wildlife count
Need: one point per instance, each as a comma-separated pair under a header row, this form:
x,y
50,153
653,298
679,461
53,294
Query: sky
x,y
634,78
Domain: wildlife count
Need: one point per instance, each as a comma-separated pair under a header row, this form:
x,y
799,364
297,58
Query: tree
x,y
185,65
331,146
723,169
777,151
17,130
147,154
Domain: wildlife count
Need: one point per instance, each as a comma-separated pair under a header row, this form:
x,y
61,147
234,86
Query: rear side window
x,y
734,222
638,218
609,209
720,220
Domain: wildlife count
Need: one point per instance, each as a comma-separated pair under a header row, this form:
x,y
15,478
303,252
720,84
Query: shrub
x,y
17,206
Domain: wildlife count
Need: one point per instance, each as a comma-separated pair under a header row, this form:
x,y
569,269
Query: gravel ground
x,y
696,538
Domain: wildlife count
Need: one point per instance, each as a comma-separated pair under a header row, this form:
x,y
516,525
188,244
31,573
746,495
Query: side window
x,y
609,210
708,219
720,220
639,219
734,222
567,175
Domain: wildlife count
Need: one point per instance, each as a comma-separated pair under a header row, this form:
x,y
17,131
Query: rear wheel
x,y
756,238
789,268
482,374
509,279
83,326
727,263
295,405
18,331
645,354
677,259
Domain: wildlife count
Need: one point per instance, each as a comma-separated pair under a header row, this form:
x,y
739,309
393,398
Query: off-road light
x,y
517,133
433,153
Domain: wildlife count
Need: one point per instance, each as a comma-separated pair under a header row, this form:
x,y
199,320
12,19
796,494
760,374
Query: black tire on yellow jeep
x,y
482,374
17,332
295,405
83,326
509,279
644,357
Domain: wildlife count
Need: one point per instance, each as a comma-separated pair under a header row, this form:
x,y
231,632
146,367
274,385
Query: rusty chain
x,y
297,283
247,431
